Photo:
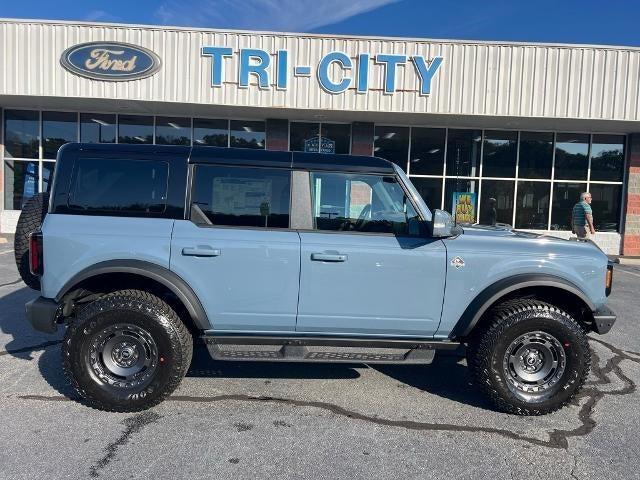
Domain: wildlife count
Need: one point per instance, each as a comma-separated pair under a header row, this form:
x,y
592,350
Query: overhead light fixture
x,y
174,125
200,141
139,138
100,122
247,129
434,150
376,149
389,135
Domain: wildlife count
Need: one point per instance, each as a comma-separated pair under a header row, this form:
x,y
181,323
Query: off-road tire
x,y
487,350
140,309
30,219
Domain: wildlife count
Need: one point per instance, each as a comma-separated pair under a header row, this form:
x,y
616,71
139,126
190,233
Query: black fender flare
x,y
152,271
481,303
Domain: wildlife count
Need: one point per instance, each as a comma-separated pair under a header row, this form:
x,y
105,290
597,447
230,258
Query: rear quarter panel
x,y
75,242
488,259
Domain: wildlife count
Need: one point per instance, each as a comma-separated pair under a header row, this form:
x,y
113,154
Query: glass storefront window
x,y
606,206
607,158
536,155
339,134
427,151
247,134
303,136
463,152
499,154
97,128
392,143
497,202
21,133
135,129
47,174
532,205
20,183
58,128
173,131
572,156
431,191
565,196
213,132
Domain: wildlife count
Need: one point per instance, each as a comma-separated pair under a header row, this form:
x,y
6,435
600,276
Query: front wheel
x,y
126,351
532,359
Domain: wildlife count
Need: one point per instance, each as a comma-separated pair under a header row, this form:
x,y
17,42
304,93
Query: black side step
x,y
323,349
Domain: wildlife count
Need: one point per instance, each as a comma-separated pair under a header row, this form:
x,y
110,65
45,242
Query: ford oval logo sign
x,y
113,61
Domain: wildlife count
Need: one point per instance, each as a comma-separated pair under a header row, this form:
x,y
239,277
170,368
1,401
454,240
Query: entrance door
x,y
367,269
237,252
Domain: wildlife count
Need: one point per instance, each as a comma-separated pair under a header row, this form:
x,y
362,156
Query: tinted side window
x,y
362,203
242,197
113,186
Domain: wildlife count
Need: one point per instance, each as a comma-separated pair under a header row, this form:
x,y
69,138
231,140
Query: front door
x,y
237,251
367,268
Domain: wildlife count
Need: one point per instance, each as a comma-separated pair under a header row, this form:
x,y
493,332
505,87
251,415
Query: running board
x,y
314,349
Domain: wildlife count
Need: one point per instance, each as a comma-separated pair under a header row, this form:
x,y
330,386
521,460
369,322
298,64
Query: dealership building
x,y
523,128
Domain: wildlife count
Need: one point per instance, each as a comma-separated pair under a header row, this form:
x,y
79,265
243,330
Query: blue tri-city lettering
x,y
257,64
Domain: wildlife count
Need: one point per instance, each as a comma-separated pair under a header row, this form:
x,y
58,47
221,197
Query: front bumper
x,y
42,314
603,319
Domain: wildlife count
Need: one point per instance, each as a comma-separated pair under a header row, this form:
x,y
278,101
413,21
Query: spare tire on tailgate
x,y
30,219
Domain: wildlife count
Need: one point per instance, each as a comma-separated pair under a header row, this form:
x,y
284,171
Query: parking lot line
x,y
628,272
6,252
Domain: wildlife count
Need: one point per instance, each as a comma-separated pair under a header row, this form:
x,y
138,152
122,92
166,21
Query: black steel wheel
x,y
126,351
532,359
123,355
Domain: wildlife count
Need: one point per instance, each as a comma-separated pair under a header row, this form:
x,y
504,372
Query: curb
x,y
629,261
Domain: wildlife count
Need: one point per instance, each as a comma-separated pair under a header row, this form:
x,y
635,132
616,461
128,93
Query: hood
x,y
505,231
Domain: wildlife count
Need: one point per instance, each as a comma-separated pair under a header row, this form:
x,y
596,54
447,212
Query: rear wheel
x,y
30,220
532,359
126,352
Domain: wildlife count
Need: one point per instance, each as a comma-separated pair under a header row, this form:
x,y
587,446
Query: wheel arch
x,y
112,272
556,290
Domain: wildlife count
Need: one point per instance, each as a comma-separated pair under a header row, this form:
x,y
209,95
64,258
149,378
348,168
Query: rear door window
x,y
241,196
119,186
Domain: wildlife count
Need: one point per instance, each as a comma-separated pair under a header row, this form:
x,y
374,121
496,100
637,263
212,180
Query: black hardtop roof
x,y
243,156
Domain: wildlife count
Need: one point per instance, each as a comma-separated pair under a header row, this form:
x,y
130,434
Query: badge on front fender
x,y
457,262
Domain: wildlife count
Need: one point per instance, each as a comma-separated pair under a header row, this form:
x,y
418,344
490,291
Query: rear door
x,y
237,251
367,268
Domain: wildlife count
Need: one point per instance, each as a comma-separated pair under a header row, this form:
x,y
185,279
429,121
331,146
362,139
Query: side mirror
x,y
443,225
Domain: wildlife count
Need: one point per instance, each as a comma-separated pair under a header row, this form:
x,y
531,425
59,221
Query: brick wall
x,y
362,138
277,134
631,237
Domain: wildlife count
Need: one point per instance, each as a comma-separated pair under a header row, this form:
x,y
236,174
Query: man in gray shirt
x,y
582,217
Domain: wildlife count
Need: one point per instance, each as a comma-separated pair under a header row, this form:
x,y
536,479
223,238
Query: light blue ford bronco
x,y
140,251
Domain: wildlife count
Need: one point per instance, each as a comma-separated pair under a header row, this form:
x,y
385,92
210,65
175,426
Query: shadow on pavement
x,y
24,339
447,377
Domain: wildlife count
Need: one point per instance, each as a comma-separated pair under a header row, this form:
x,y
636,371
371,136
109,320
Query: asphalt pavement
x,y
315,421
